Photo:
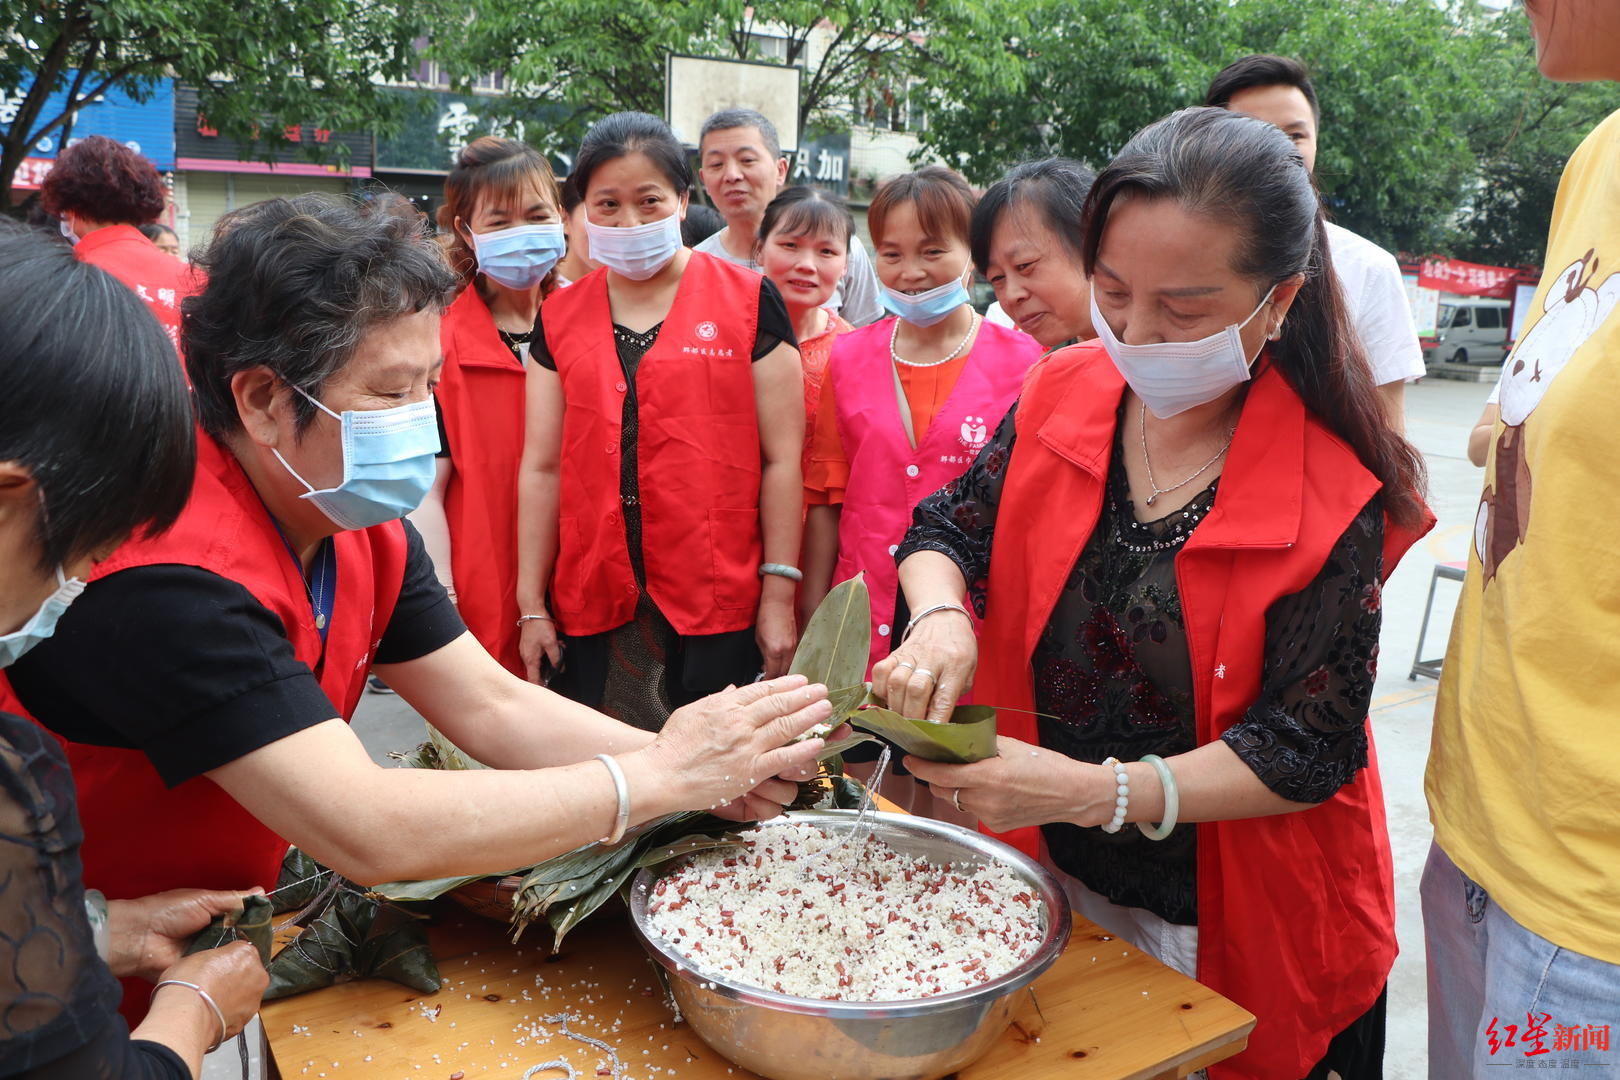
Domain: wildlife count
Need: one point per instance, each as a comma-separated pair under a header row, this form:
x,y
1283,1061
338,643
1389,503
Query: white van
x,y
1471,331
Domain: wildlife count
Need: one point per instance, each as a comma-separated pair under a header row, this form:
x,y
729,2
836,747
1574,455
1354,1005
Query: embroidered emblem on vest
x,y
707,331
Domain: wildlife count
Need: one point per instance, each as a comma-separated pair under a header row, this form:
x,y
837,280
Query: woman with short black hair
x,y
659,502
96,443
1026,241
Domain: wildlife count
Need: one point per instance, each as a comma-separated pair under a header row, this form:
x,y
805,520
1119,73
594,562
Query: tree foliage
x,y
1437,131
258,65
594,57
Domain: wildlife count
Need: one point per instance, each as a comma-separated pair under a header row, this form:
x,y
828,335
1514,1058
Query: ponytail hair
x,y
1237,169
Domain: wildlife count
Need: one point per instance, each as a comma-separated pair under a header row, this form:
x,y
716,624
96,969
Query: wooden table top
x,y
1104,1011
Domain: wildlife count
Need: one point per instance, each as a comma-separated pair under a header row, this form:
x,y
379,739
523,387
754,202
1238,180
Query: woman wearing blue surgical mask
x,y
1178,538
660,491
501,205
204,678
906,402
80,353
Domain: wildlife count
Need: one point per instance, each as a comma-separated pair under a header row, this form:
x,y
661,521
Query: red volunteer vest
x,y
159,279
481,396
141,836
698,457
1289,490
887,477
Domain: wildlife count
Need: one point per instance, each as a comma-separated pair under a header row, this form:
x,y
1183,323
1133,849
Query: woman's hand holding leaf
x,y
930,671
729,746
1022,785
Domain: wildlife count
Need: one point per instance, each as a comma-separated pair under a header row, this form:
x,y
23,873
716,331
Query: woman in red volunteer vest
x,y
1178,538
102,190
1026,243
78,350
804,250
908,400
501,207
203,680
660,494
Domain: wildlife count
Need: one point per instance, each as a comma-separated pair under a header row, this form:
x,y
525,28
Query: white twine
x,y
563,1019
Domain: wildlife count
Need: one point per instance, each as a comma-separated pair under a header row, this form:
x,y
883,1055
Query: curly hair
x,y
293,287
105,181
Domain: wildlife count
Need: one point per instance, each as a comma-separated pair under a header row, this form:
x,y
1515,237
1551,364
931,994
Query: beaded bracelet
x,y
1123,791
1172,800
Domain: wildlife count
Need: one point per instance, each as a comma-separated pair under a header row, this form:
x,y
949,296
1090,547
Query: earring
x,y
1275,334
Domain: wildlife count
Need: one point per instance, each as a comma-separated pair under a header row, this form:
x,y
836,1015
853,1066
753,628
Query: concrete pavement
x,y
1439,416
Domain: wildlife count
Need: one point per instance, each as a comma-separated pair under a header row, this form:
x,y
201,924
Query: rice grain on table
x,y
787,912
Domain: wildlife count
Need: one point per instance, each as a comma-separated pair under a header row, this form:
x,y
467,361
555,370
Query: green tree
x,y
598,56
258,65
1394,78
1522,133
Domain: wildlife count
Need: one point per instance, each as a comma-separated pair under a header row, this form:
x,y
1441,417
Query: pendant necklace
x,y
1154,484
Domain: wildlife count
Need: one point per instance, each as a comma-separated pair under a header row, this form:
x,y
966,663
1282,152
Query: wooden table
x,y
1104,1011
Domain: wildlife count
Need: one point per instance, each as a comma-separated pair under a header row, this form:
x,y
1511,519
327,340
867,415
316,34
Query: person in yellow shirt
x,y
1521,895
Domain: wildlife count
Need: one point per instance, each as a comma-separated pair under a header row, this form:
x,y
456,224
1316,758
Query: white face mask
x,y
1174,376
67,232
636,251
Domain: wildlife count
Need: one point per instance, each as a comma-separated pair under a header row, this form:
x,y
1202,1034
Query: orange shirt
x,y
827,473
813,356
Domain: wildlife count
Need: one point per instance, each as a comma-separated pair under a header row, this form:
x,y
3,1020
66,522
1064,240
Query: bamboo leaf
x,y
665,852
430,889
837,749
970,736
834,648
451,756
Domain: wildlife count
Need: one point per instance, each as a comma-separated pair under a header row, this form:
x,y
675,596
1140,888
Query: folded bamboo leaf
x,y
396,947
833,649
249,923
839,748
970,736
302,879
564,919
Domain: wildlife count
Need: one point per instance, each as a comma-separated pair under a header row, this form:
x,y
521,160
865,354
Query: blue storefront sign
x,y
147,127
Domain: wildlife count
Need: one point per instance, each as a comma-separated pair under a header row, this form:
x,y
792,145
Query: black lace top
x,y
1112,670
58,1002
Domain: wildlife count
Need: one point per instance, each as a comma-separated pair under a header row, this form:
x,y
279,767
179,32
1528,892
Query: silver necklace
x,y
1154,484
973,326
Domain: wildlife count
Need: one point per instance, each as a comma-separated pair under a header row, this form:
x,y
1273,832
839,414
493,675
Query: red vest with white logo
x,y
1296,911
887,477
141,836
697,454
480,395
158,278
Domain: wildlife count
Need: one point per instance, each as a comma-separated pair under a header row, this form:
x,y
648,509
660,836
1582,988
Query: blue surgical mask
x,y
43,624
636,251
519,257
927,308
388,464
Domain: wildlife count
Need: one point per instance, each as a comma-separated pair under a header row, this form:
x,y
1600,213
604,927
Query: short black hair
x,y
1261,69
293,285
1057,189
612,137
701,223
95,405
803,209
732,119
154,230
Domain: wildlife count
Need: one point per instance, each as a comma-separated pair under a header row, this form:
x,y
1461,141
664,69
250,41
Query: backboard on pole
x,y
696,87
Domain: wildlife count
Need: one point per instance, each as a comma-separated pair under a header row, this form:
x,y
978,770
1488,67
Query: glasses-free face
x,y
740,173
805,266
631,190
1038,279
1287,108
530,206
1164,274
912,260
